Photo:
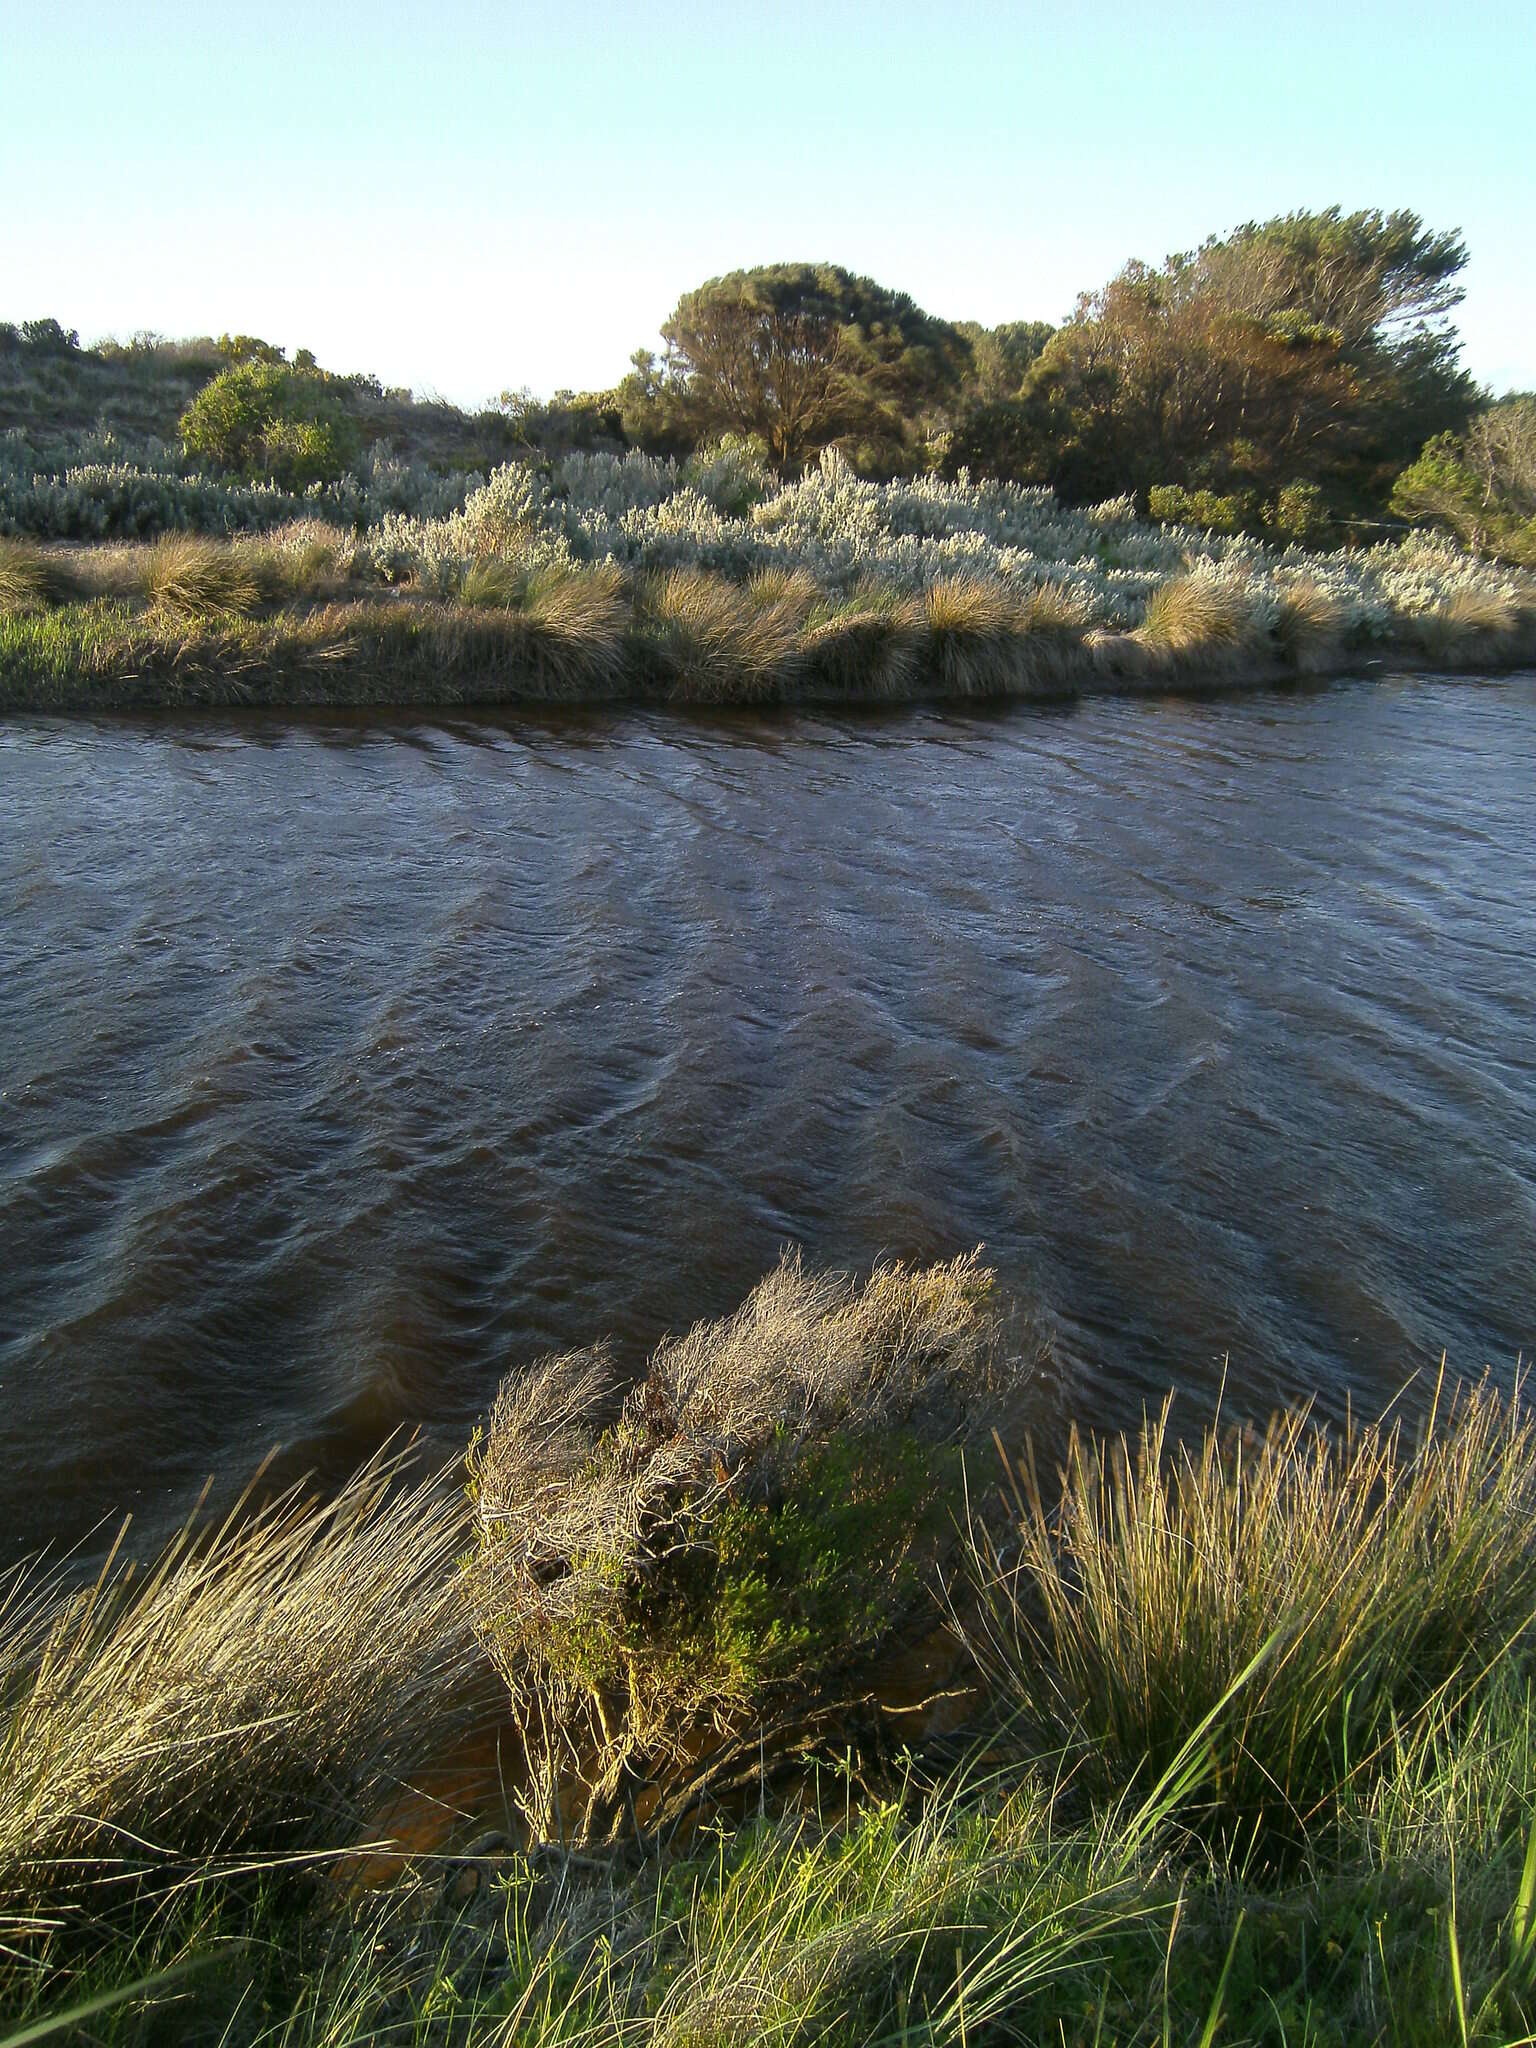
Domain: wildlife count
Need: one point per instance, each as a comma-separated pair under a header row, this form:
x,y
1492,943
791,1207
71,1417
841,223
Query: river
x,y
348,1064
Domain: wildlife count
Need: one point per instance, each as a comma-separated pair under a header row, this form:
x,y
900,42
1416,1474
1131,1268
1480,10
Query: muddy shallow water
x,y
346,1064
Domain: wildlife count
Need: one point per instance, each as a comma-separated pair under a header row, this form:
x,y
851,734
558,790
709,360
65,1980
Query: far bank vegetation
x,y
1258,459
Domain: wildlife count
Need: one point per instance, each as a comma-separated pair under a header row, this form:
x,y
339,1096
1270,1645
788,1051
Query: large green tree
x,y
1312,348
805,355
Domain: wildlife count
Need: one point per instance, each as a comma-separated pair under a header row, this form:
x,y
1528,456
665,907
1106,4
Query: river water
x,y
346,1065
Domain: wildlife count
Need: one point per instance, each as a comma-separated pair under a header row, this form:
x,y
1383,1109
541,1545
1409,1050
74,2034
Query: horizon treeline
x,y
1297,378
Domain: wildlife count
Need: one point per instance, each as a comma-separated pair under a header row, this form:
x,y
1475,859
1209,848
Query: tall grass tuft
x,y
31,578
983,641
1371,1577
1195,615
189,578
257,1688
1308,627
1470,622
572,631
867,648
494,580
719,643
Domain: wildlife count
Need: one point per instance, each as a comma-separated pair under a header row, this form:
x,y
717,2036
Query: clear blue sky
x,y
466,198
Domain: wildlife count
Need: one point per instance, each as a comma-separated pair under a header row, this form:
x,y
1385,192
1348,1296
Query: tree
x,y
1156,380
1000,358
1309,349
805,355
654,410
1480,486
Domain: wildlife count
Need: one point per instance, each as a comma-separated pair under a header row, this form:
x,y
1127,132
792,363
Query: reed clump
x,y
189,578
254,1690
1314,1596
1193,617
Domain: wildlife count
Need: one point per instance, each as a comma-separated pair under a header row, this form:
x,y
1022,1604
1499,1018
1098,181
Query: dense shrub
x,y
269,419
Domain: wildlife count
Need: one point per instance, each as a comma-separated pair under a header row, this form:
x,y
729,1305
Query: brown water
x,y
345,1066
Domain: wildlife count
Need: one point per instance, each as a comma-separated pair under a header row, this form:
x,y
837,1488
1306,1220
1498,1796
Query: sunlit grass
x,y
1376,1576
1249,1755
1193,616
304,617
252,1690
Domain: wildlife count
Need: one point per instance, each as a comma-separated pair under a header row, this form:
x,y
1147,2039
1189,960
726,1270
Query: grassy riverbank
x,y
198,623
751,1705
603,579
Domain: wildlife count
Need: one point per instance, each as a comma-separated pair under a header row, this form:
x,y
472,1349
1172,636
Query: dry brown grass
x,y
1193,617
718,643
255,1689
189,578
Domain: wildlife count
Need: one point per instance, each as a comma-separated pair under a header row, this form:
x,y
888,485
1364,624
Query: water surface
x,y
346,1065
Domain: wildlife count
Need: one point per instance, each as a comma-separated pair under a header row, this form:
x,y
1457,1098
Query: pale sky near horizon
x,y
472,198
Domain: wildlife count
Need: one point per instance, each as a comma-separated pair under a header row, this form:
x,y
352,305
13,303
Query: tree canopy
x,y
1480,486
1309,348
804,355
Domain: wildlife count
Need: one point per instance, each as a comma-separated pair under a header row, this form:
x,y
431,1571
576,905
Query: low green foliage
x,y
811,1580
1209,510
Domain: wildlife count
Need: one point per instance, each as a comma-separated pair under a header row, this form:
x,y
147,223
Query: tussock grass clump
x,y
984,641
255,1689
1471,623
868,648
651,1569
495,581
304,561
574,630
1308,627
719,643
1481,611
189,578
1347,1585
30,579
794,592
1195,615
